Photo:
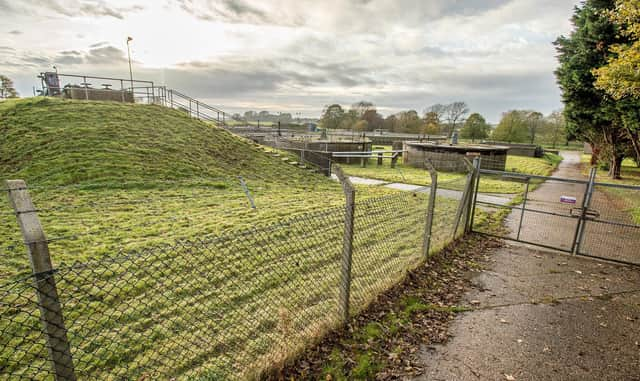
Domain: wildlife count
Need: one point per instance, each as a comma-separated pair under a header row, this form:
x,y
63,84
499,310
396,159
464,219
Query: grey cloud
x,y
5,6
105,55
226,10
99,44
363,15
70,8
241,75
102,9
102,56
69,57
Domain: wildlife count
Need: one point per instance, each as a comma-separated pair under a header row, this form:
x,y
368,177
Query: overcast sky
x,y
298,55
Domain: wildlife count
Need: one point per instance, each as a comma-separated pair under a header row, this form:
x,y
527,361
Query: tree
x,y
431,123
373,119
332,116
556,127
620,77
6,88
360,125
454,114
590,113
534,123
512,127
409,121
475,127
435,114
391,123
361,108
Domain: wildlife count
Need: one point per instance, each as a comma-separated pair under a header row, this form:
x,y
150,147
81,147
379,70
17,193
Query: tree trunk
x,y
616,166
635,142
595,153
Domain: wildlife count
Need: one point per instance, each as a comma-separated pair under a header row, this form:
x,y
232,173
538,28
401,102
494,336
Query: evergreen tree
x,y
591,114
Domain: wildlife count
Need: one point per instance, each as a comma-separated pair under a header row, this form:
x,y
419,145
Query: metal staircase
x,y
180,101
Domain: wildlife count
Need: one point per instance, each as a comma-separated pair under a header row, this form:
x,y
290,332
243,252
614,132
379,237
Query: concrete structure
x,y
520,149
447,157
389,138
340,146
97,94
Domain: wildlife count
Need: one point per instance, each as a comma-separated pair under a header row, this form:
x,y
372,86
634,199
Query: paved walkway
x,y
499,199
544,316
540,315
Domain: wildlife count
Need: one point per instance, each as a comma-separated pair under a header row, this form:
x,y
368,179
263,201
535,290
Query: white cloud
x,y
301,54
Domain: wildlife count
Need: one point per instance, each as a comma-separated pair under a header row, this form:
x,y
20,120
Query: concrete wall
x,y
98,95
452,161
387,140
341,147
520,149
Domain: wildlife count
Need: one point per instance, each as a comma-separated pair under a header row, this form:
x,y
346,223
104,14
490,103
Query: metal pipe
x,y
524,207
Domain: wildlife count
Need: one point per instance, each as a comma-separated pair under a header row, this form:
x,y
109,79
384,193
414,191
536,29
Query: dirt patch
x,y
384,342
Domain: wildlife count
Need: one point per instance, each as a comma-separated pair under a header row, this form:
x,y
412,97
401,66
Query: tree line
x,y
516,126
599,76
438,119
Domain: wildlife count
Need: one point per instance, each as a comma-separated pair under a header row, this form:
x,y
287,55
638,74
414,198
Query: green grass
x,y
450,180
153,274
627,200
629,172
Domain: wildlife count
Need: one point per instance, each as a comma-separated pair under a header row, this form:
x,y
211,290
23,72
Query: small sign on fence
x,y
567,200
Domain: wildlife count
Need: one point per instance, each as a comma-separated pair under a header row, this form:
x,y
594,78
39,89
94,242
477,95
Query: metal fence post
x,y
44,280
430,208
243,184
347,243
586,202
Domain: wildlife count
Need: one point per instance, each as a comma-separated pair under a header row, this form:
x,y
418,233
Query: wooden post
x,y
430,208
380,158
394,160
347,243
44,280
466,194
472,198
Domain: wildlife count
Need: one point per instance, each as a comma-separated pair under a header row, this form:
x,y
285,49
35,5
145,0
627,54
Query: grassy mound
x,y
163,268
62,142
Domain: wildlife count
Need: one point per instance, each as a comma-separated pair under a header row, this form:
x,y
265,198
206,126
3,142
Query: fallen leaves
x,y
436,290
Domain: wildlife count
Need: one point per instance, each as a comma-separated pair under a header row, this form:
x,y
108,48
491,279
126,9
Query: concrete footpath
x,y
541,315
538,315
499,199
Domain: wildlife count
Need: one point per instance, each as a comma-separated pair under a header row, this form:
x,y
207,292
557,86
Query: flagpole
x,y
129,39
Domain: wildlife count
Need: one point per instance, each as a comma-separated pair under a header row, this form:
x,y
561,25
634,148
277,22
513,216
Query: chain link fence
x,y
231,305
612,223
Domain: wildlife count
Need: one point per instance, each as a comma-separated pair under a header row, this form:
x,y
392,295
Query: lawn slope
x,y
163,268
61,142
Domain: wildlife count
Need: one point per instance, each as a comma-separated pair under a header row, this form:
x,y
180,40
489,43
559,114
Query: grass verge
x,y
448,180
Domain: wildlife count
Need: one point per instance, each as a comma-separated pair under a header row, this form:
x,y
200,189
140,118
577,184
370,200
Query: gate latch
x,y
591,214
588,214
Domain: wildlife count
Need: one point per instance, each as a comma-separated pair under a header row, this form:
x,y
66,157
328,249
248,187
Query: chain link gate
x,y
581,217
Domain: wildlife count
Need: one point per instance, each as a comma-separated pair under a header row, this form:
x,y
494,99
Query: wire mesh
x,y
612,229
217,305
225,306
